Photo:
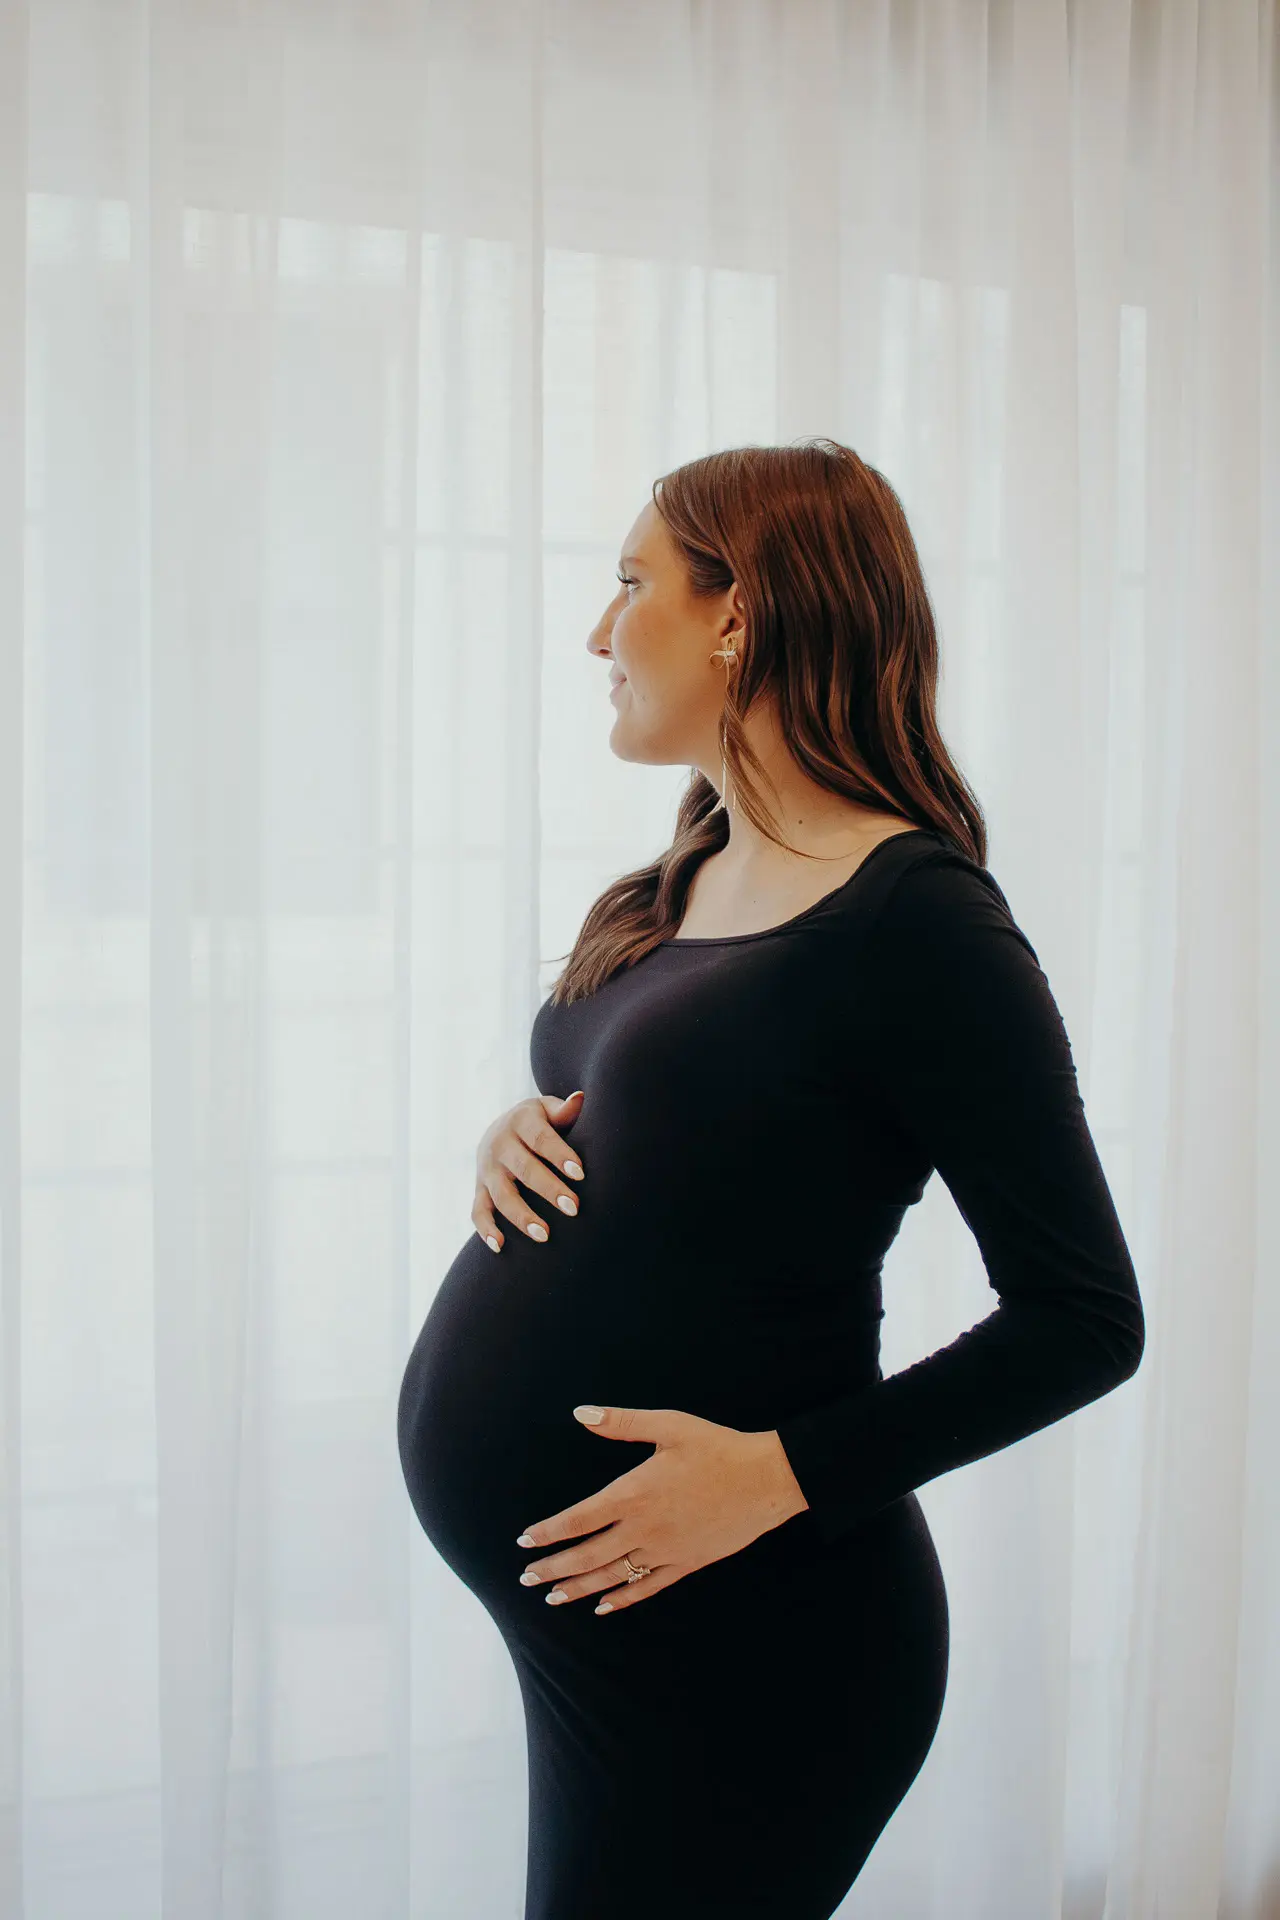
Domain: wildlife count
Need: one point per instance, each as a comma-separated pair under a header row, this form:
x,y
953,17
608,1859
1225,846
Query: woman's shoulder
x,y
927,903
932,868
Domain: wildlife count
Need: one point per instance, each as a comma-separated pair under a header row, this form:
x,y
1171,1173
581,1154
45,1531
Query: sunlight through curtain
x,y
339,346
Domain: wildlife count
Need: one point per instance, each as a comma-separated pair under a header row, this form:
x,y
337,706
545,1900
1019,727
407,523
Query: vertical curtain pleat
x,y
13,589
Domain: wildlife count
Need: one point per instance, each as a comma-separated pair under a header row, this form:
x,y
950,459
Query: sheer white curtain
x,y
339,346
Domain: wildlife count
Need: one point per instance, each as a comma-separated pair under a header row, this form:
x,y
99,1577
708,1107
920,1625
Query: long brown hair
x,y
839,633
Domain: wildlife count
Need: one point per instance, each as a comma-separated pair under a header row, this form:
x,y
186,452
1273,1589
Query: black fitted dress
x,y
760,1110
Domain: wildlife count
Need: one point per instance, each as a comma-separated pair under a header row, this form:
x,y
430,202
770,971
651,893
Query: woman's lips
x,y
616,684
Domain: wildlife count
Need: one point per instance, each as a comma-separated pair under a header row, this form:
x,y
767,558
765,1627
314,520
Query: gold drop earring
x,y
726,654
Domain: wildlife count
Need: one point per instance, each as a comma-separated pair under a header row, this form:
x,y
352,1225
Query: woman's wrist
x,y
782,1491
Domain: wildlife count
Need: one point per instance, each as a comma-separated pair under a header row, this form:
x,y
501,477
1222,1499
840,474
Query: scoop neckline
x,y
763,933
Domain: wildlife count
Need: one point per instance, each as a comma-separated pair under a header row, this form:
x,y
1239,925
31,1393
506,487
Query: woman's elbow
x,y
1132,1343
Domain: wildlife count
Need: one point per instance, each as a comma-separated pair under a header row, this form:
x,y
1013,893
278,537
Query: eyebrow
x,y
632,560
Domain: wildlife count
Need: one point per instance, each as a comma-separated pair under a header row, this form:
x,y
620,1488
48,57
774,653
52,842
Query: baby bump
x,y
514,1341
511,1344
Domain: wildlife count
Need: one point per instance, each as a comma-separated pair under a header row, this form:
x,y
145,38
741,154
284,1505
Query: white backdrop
x,y
340,343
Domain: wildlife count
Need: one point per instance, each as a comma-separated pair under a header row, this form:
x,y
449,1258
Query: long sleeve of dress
x,y
968,1056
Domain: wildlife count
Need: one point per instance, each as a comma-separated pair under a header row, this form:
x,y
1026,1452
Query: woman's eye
x,y
626,581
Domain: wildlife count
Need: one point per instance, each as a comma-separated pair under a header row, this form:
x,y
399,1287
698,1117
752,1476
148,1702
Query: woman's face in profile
x,y
659,640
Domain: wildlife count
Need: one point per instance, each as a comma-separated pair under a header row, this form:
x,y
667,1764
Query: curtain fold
x,y
339,346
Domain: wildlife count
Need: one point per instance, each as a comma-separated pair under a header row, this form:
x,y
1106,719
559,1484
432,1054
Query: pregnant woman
x,y
648,1428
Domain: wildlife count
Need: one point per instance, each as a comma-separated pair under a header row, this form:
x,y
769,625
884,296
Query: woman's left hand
x,y
707,1492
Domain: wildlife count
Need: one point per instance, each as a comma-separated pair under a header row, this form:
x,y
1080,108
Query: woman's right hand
x,y
511,1147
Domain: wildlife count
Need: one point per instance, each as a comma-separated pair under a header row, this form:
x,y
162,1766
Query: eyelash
x,y
626,580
